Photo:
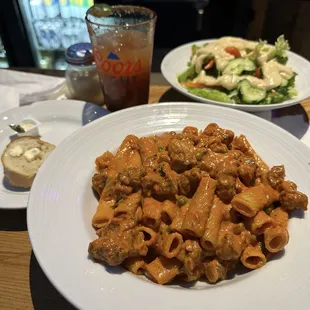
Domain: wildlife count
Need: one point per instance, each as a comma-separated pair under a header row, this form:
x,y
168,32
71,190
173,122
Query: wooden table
x,y
23,284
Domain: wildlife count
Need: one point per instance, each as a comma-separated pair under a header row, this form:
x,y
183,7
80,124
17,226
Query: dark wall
x,y
179,21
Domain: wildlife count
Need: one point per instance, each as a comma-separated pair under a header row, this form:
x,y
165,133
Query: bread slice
x,y
22,159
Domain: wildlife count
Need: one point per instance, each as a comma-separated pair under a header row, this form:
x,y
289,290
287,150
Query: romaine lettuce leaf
x,y
209,93
188,74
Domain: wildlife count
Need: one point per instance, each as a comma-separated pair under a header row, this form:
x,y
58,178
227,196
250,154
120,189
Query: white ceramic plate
x,y
175,62
58,120
62,203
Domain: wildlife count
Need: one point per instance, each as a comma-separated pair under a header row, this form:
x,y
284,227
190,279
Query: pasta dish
x,y
239,71
190,205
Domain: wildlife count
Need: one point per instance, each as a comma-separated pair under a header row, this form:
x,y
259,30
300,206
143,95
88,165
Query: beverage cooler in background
x,y
37,32
52,26
3,59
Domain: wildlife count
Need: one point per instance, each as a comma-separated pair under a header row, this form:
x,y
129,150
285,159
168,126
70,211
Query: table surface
x,y
23,285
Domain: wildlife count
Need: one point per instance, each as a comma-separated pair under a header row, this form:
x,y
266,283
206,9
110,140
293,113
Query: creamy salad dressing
x,y
228,81
217,49
274,73
262,58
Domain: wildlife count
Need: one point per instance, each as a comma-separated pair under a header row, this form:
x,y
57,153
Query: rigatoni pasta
x,y
136,265
258,224
199,208
170,244
104,213
277,237
210,237
168,212
253,257
190,205
162,270
151,212
254,199
177,222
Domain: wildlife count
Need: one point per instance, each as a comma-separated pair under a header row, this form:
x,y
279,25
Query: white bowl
x,y
62,203
175,62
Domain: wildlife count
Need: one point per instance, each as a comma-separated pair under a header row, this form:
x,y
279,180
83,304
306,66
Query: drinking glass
x,y
122,39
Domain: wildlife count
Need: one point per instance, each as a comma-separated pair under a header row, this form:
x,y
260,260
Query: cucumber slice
x,y
237,66
249,93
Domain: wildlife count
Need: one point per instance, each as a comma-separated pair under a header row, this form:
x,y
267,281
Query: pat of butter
x,y
16,151
27,126
32,154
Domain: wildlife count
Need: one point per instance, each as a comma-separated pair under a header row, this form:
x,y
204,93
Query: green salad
x,y
239,71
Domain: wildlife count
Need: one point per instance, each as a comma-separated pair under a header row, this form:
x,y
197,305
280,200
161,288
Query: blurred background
x,y
35,33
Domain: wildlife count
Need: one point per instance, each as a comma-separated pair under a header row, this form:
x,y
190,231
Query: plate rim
x,y
31,219
244,107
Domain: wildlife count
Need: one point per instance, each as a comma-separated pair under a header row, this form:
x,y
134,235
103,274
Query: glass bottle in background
x,y
37,9
64,7
53,26
3,60
81,74
51,8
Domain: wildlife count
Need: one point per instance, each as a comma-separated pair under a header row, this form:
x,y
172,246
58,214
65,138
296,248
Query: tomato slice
x,y
209,65
233,51
194,85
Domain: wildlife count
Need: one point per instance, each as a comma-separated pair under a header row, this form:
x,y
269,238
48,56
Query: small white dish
x,y
62,203
31,127
57,120
176,60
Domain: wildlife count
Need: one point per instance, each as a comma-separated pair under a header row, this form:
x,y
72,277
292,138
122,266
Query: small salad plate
x,y
54,120
176,62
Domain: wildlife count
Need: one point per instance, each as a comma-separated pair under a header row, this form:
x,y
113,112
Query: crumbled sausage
x,y
275,176
131,176
291,198
182,154
99,181
113,245
247,170
226,136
